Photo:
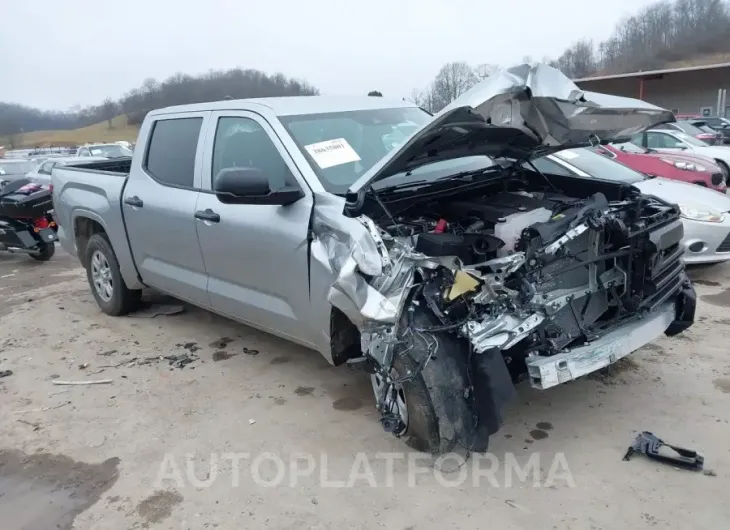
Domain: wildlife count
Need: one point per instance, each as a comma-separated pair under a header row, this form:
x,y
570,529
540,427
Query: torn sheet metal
x,y
355,251
520,113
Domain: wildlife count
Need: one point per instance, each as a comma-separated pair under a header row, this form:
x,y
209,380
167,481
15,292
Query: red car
x,y
675,166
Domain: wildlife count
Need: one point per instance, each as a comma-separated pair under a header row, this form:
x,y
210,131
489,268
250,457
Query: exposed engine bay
x,y
519,271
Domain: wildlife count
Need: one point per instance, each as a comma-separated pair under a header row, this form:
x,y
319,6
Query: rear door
x,y
256,256
159,205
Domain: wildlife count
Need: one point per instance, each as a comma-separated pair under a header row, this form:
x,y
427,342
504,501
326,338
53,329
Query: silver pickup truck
x,y
446,266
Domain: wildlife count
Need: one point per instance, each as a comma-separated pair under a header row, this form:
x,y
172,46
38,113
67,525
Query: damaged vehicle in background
x,y
445,281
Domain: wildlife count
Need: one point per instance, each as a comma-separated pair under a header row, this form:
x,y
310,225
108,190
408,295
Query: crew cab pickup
x,y
444,265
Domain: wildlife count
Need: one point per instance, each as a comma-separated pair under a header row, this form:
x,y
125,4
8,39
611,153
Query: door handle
x,y
134,201
208,215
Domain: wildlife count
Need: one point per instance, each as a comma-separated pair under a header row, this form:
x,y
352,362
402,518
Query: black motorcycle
x,y
26,220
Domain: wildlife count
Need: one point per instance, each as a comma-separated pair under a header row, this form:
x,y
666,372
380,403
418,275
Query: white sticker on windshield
x,y
567,155
96,151
332,153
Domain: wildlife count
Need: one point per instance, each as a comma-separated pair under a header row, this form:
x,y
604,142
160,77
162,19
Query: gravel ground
x,y
258,433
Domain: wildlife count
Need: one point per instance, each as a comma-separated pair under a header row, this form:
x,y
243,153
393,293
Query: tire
x,y
46,252
120,299
442,414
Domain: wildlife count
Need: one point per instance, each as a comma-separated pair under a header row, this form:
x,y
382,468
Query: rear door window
x,y
170,158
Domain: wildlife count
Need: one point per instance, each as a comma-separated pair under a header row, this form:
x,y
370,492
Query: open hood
x,y
524,112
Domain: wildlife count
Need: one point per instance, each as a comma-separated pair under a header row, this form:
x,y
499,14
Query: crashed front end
x,y
588,284
521,275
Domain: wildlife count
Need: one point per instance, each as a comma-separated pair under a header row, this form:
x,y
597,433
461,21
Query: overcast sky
x,y
56,54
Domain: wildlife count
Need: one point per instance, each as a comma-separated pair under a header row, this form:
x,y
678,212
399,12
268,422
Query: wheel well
x,y
84,228
344,338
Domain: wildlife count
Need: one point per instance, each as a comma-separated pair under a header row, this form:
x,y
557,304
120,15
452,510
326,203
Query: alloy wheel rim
x,y
101,276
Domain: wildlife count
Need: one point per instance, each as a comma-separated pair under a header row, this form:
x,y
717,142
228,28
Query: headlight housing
x,y
686,166
701,213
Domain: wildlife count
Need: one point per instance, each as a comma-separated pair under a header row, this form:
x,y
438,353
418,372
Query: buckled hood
x,y
524,112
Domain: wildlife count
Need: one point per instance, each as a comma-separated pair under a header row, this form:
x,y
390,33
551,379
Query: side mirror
x,y
249,185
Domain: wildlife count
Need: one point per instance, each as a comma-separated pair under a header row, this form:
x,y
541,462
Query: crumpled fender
x,y
353,251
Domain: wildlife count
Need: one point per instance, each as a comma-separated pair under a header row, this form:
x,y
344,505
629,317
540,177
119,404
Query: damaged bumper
x,y
670,318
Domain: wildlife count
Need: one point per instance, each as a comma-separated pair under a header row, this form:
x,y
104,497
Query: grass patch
x,y
99,132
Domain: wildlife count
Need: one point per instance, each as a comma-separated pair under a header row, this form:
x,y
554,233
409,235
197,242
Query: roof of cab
x,y
288,106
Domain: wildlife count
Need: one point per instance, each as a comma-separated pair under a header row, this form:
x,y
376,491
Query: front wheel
x,y
45,253
438,396
107,286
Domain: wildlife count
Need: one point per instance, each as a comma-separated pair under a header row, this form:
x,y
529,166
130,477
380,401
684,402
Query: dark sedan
x,y
704,133
717,123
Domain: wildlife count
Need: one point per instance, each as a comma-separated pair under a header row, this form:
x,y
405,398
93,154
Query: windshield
x,y
109,151
341,146
628,147
599,166
691,140
15,168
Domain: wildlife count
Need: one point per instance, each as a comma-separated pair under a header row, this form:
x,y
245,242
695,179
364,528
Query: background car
x,y
14,168
676,166
104,150
41,174
717,123
704,211
671,141
707,135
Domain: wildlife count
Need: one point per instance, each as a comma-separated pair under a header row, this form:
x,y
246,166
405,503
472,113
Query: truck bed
x,y
88,199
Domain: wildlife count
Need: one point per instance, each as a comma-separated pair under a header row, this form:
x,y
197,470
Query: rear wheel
x,y
107,286
45,253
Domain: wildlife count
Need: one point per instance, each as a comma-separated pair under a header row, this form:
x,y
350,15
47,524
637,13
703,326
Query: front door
x,y
256,256
159,206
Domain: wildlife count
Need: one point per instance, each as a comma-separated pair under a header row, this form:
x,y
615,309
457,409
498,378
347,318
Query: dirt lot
x,y
153,448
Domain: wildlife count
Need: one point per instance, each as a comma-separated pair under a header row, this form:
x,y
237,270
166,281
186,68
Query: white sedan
x,y
705,212
42,172
680,142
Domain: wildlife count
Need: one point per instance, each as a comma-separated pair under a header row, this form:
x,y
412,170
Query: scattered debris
x,y
83,366
709,473
249,351
515,505
190,346
90,382
221,355
221,343
107,353
64,391
36,426
154,310
129,362
53,376
5,373
251,421
182,360
42,409
648,444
